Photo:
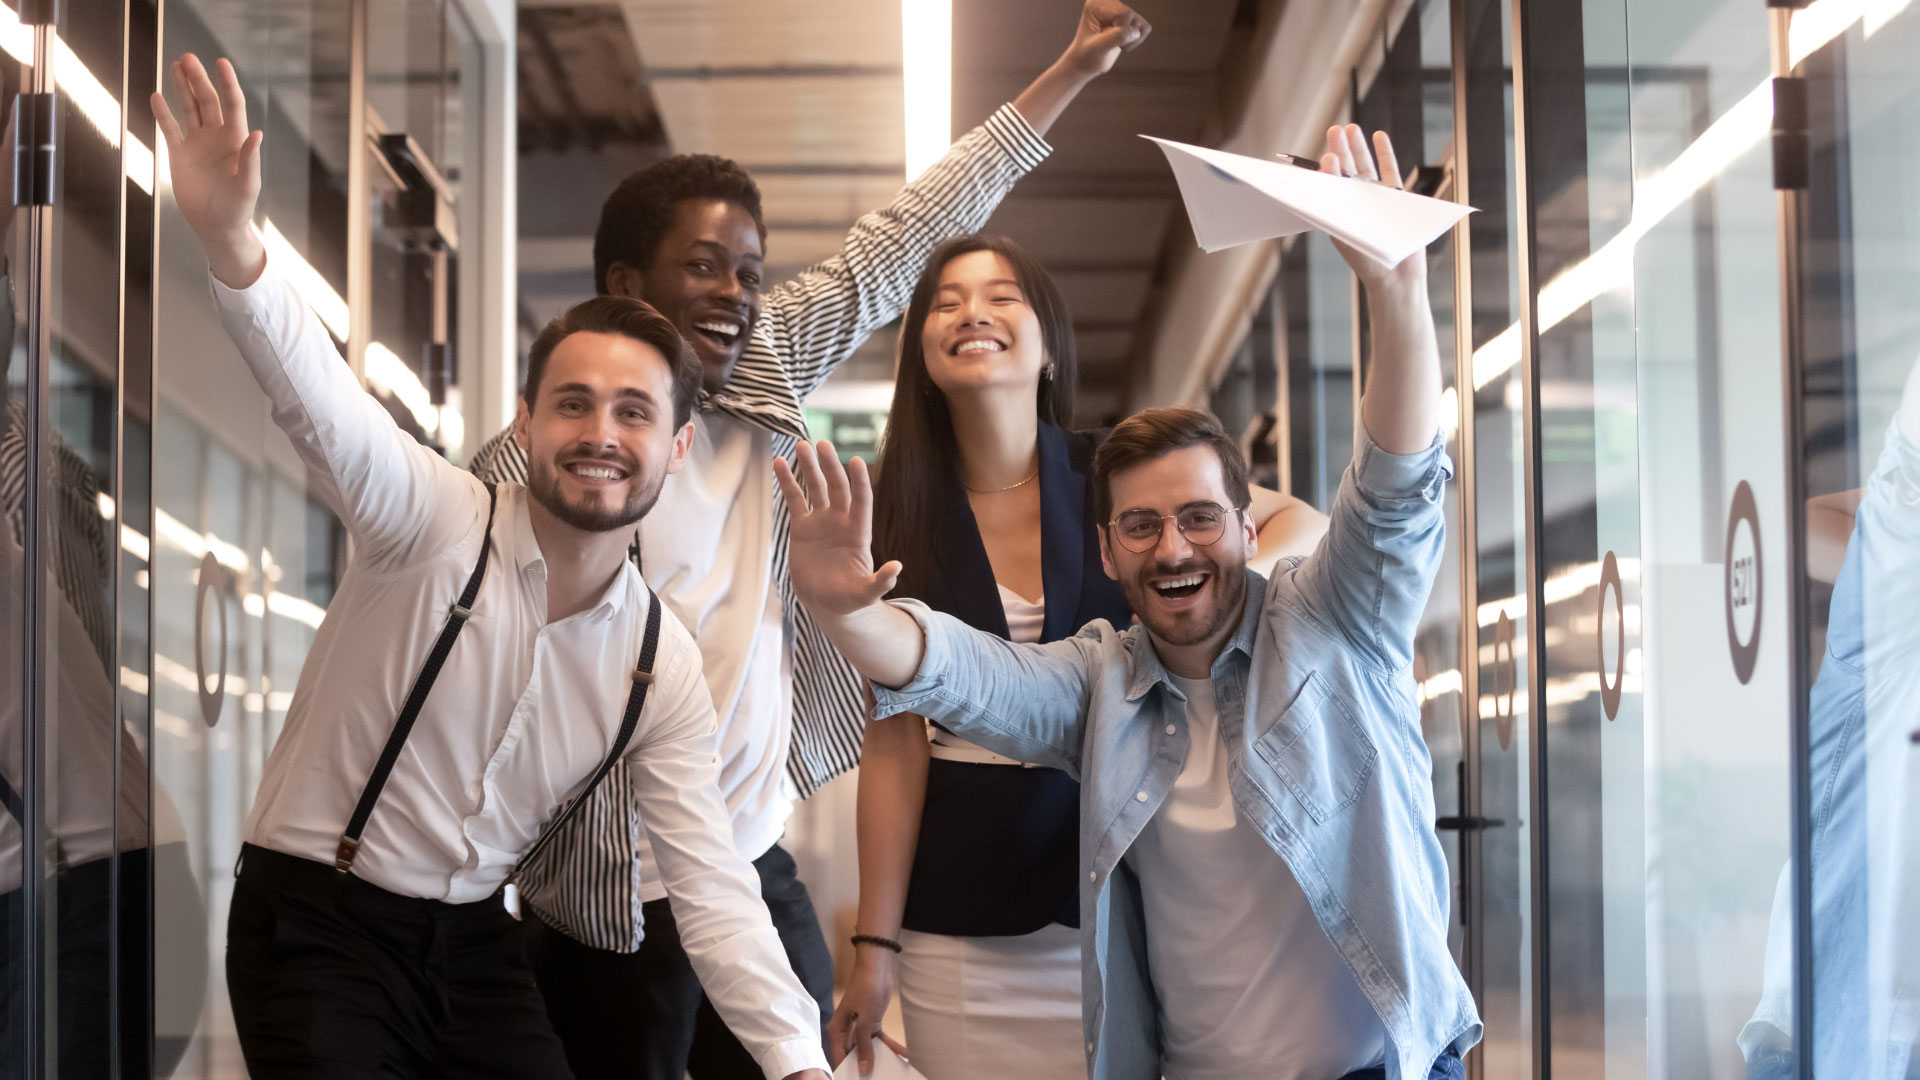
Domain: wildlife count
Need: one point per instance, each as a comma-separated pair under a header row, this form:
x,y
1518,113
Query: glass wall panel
x,y
16,942
244,558
1713,805
1859,266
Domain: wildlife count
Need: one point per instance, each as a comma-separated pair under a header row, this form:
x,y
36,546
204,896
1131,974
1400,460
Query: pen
x,y
1302,162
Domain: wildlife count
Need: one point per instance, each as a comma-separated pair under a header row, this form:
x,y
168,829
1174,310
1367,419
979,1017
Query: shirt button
x,y
1139,796
1089,1048
1169,729
1093,875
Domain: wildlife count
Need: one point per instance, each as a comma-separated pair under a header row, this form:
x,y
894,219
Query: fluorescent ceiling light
x,y
1737,131
926,75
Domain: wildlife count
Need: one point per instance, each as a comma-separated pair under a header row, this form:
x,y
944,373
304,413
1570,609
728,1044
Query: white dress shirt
x,y
1247,982
707,548
524,709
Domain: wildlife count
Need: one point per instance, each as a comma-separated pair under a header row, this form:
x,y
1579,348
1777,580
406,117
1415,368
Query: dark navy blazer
x,y
999,846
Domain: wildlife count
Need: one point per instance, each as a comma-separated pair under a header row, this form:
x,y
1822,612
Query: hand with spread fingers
x,y
1348,155
215,161
831,562
832,552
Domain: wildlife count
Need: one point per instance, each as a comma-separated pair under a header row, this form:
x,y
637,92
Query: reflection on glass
x,y
241,560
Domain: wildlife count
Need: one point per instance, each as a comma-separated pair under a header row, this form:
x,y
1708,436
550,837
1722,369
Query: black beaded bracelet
x,y
874,939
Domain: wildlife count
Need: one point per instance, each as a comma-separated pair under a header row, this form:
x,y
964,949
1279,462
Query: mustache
x,y
1180,569
624,461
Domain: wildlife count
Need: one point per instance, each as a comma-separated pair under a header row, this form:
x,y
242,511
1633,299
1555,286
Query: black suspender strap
x,y
422,685
636,700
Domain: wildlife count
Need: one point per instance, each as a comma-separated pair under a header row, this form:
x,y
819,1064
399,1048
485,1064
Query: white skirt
x,y
981,1008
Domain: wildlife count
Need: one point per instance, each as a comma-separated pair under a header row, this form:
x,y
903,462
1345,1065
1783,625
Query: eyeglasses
x,y
1139,531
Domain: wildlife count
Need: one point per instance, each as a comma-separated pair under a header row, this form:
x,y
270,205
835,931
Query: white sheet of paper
x,y
1234,199
887,1065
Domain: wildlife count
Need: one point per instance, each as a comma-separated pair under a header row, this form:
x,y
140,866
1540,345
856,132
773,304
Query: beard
x,y
543,483
1228,599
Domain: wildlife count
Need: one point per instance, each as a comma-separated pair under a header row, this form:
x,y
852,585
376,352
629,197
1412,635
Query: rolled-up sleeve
x,y
1028,702
1369,578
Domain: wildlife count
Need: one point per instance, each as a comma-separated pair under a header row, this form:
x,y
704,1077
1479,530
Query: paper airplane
x,y
1233,199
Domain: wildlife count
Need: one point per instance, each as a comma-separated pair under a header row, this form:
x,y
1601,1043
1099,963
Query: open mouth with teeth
x,y
596,470
720,332
1181,587
978,345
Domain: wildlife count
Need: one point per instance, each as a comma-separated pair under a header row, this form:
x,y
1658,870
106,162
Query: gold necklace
x,y
1009,487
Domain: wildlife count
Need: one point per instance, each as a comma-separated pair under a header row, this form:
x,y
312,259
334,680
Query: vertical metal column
x,y
1470,863
1790,177
1523,135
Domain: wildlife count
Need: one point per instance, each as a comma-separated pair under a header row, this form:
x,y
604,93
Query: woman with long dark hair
x,y
968,859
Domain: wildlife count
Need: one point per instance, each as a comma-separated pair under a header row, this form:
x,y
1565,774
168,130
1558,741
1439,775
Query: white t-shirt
x,y
1247,982
715,573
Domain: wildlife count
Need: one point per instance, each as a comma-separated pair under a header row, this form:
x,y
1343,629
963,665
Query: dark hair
x,y
640,211
1154,433
627,318
919,451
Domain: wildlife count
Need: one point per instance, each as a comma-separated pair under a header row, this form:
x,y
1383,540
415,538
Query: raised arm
x,y
387,488
1028,702
1370,577
817,319
1286,526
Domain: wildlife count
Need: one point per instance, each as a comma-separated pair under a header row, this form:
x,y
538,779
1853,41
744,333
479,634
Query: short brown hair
x,y
1154,433
627,318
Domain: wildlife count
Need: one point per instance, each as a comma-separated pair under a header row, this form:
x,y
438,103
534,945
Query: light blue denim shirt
x,y
1326,759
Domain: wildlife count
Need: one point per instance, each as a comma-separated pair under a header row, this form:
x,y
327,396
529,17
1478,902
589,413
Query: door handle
x,y
1467,822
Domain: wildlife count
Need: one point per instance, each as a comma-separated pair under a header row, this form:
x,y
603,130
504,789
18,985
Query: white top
x,y
1247,982
708,548
1025,618
522,712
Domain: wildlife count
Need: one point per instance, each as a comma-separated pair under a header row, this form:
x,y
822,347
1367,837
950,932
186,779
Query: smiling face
x,y
1189,596
981,332
599,434
706,276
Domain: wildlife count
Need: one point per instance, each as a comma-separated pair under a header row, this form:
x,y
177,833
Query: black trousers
x,y
335,979
643,1016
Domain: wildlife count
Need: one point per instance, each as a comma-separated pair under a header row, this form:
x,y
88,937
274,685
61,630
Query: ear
x,y
624,280
521,421
1251,534
1106,553
682,445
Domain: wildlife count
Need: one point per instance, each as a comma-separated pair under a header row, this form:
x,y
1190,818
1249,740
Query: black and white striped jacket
x,y
588,884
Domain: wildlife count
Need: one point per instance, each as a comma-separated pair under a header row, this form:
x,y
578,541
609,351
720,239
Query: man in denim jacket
x,y
1263,894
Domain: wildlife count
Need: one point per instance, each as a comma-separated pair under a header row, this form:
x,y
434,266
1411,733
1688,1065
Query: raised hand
x,y
215,164
832,535
1347,155
1106,29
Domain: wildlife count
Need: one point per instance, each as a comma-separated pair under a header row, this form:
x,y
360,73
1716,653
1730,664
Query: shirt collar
x,y
1149,672
527,556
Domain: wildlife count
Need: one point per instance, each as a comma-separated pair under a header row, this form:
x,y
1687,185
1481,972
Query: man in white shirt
x,y
686,235
368,936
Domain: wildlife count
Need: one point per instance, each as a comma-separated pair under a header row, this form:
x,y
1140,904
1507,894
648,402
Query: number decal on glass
x,y
214,581
1610,579
1743,572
